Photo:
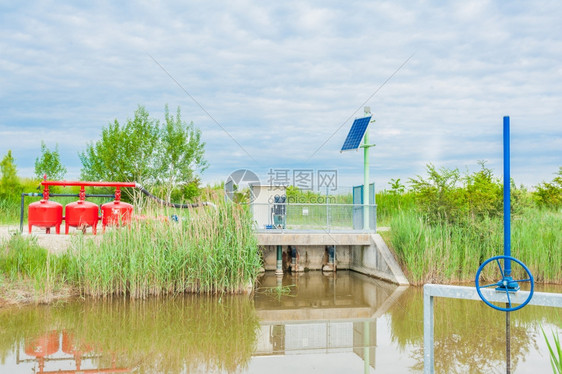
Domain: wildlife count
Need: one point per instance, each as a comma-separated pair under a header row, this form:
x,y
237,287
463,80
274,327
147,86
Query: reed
x,y
26,266
555,351
207,251
452,252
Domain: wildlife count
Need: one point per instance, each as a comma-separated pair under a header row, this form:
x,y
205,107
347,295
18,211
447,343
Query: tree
x,y
181,153
9,183
396,188
549,194
124,153
49,163
439,195
484,192
145,151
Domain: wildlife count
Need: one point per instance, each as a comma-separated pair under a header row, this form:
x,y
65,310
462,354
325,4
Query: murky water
x,y
298,324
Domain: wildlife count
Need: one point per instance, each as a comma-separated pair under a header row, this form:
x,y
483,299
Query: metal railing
x,y
320,217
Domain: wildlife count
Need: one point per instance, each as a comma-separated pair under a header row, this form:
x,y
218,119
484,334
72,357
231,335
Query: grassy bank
x,y
447,224
207,251
452,252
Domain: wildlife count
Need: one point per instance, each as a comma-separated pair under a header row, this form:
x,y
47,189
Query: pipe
x,y
279,267
506,197
23,195
78,195
89,184
173,205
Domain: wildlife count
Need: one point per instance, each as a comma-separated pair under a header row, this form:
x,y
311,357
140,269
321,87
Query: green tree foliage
x,y
9,183
484,192
181,153
125,153
143,150
447,196
439,195
549,195
49,163
396,187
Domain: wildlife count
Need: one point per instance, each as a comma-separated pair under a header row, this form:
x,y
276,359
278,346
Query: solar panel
x,y
356,134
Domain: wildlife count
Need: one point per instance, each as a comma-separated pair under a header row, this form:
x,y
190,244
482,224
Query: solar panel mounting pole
x,y
358,133
366,146
366,175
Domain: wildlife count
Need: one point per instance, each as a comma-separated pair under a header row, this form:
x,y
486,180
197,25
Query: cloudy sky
x,y
285,80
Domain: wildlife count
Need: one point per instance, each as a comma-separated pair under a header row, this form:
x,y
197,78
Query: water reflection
x,y
470,336
322,314
151,336
331,323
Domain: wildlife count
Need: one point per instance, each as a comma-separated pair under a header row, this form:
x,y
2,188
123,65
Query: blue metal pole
x,y
506,197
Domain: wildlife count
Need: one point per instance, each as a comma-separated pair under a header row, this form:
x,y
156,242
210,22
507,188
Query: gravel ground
x,y
52,242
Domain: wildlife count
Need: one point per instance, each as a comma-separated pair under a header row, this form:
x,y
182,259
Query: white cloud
x,y
281,78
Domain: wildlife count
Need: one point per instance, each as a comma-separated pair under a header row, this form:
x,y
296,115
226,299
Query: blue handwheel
x,y
507,284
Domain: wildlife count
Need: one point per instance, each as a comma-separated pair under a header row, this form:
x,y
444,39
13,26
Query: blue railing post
x,y
506,196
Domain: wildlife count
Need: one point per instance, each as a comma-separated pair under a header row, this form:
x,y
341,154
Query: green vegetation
x,y
207,251
49,164
555,351
549,194
445,252
455,223
162,156
278,291
9,182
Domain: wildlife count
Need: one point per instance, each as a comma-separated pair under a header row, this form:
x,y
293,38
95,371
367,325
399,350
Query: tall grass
x,y
390,203
207,251
24,262
448,252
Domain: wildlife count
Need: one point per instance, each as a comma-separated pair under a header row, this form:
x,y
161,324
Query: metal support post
x,y
366,181
506,197
331,266
366,346
279,269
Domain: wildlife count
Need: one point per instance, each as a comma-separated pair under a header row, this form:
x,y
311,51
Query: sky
x,y
276,85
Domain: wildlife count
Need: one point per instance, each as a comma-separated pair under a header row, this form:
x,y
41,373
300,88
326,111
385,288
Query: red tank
x,y
45,214
44,345
81,214
116,213
71,347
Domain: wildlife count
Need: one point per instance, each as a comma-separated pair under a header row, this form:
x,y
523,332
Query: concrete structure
x,y
366,253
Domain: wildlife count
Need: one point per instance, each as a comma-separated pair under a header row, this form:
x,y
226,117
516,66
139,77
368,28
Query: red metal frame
x,y
45,183
89,184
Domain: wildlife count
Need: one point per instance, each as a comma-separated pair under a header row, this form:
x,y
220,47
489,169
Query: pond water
x,y
313,322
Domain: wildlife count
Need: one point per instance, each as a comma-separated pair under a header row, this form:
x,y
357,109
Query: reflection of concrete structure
x,y
322,314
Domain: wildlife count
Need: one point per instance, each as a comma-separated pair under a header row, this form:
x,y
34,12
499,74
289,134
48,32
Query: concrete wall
x,y
374,259
378,261
311,257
